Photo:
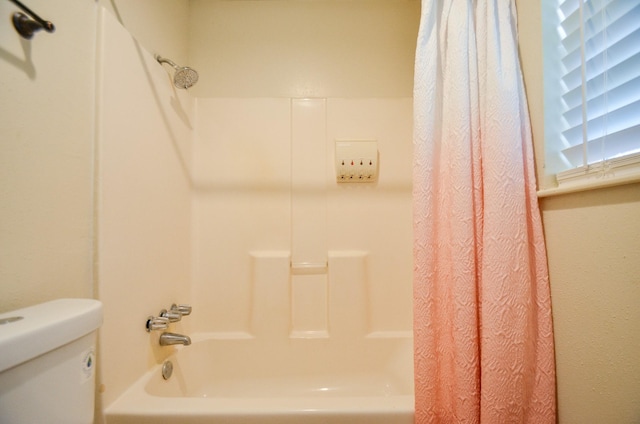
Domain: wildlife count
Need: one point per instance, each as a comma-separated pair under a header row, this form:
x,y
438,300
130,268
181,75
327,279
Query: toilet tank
x,y
48,361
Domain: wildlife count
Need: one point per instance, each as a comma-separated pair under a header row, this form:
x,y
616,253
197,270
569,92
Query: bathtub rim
x,y
136,401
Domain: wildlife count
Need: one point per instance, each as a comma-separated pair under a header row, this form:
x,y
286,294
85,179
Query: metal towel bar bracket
x,y
28,25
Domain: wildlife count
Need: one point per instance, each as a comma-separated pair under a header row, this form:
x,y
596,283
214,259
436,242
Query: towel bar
x,y
28,25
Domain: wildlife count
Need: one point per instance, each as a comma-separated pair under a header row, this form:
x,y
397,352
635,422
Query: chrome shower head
x,y
184,77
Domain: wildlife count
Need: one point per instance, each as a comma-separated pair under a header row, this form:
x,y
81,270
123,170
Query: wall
x,y
160,27
284,48
593,245
142,204
46,156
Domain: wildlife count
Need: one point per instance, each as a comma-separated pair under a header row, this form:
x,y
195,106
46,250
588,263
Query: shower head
x,y
184,77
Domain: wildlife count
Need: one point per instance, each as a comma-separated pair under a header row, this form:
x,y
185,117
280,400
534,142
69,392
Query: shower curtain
x,y
482,314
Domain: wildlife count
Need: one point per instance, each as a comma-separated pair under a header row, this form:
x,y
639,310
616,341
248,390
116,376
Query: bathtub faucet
x,y
176,312
168,339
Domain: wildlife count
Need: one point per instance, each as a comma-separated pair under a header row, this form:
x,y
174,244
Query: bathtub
x,y
252,381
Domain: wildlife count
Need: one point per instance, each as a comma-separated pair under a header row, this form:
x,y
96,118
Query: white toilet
x,y
48,361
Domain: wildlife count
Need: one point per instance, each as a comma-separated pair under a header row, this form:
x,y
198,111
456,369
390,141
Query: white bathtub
x,y
251,381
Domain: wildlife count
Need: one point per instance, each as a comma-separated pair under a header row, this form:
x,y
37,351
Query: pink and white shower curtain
x,y
482,311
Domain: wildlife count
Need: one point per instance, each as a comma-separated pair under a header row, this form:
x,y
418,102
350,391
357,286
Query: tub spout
x,y
168,339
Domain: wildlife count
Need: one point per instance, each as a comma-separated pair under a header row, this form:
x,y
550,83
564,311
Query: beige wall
x,y
327,48
47,129
593,243
160,27
593,246
46,156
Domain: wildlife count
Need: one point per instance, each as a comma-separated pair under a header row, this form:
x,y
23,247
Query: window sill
x,y
618,172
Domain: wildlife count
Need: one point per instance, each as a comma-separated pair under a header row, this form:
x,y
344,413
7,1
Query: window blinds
x,y
600,72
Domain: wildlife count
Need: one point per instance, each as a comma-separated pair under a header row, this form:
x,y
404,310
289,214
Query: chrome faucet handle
x,y
182,308
173,316
156,323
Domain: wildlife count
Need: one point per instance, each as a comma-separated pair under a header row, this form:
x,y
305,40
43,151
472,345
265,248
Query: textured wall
x,y
593,243
46,156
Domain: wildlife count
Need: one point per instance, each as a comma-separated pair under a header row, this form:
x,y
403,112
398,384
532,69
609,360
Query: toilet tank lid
x,y
45,327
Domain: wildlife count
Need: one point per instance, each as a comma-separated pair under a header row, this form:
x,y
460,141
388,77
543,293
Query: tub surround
x,y
224,202
330,303
143,210
283,202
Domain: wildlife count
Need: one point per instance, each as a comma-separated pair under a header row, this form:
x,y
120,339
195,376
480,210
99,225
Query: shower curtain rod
x,y
28,25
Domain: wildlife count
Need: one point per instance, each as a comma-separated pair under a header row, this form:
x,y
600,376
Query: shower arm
x,y
167,61
27,25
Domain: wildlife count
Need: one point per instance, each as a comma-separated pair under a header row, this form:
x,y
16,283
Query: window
x,y
592,90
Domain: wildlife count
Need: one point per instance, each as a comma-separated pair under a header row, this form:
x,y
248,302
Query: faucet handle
x,y
182,308
156,323
172,315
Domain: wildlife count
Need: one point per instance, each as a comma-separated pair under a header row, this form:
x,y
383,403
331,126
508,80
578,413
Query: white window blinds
x,y
597,71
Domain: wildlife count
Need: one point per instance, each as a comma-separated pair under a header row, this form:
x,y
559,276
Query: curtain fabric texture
x,y
482,312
